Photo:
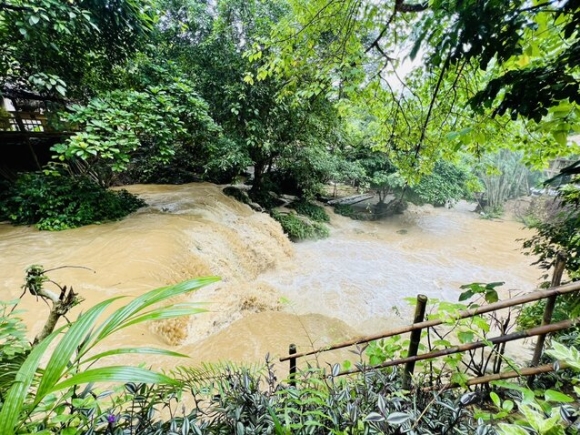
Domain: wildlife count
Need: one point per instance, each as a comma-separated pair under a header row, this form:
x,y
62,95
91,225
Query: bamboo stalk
x,y
527,371
529,297
415,339
544,329
550,305
559,267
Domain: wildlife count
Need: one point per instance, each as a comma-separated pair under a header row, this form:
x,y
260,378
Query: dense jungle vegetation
x,y
428,101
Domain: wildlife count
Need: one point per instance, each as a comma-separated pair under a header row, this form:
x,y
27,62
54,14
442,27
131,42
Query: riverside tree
x,y
484,65
68,49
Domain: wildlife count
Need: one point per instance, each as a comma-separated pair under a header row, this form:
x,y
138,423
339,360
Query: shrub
x,y
236,193
300,229
313,211
58,202
345,210
40,389
370,402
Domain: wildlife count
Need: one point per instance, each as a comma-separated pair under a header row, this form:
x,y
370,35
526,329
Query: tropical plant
x,y
503,176
56,49
313,211
453,367
300,228
556,240
44,395
55,201
465,94
447,184
113,126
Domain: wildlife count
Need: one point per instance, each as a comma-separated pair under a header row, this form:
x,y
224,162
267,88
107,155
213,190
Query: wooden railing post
x,y
415,339
292,373
559,266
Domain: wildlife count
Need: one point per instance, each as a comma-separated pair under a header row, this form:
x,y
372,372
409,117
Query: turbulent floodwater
x,y
272,292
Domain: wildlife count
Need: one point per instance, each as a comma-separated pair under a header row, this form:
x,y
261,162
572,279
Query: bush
x,y
40,381
299,229
346,210
313,211
58,202
237,400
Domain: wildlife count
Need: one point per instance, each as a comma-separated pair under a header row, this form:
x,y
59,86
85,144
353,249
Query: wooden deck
x,y
21,126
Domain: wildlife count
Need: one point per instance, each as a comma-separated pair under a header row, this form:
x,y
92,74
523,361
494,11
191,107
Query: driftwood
x,y
349,200
61,303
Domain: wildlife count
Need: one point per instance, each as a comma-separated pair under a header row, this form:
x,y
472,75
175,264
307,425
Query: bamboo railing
x,y
419,324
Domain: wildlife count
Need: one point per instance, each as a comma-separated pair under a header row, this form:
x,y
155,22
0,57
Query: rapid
x,y
272,292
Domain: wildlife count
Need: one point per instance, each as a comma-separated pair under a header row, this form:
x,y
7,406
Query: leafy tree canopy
x,y
485,64
60,49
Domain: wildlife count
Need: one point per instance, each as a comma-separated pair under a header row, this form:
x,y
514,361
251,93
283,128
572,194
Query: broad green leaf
x,y
136,350
495,399
117,320
465,336
398,418
14,400
166,313
556,396
115,374
68,345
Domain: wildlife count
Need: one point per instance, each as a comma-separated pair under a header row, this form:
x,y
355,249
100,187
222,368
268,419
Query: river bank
x,y
272,292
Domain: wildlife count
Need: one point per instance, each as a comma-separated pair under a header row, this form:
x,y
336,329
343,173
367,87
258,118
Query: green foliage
x,y
114,126
503,176
454,367
14,347
57,49
447,184
543,411
557,234
345,210
44,398
370,402
488,290
58,202
313,211
300,228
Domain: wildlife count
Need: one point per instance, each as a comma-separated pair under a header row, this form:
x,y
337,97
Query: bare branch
x,y
401,6
12,8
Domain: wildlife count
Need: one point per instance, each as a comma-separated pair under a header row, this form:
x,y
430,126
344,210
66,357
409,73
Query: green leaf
x,y
556,396
137,350
33,19
118,319
465,336
495,399
14,400
466,295
61,356
115,374
398,418
166,313
491,296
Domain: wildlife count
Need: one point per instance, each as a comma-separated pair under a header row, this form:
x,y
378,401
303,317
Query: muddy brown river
x,y
272,292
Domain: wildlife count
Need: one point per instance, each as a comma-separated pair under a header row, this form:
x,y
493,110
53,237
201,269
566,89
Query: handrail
x,y
518,300
538,330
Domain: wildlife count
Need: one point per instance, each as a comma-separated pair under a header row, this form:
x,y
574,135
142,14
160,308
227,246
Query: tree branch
x,y
12,8
401,6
